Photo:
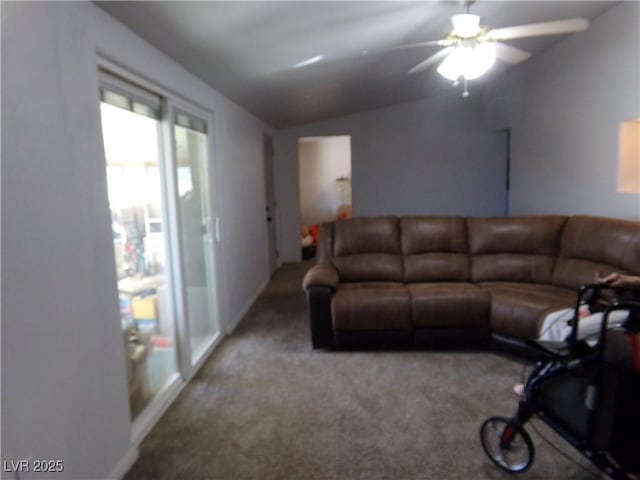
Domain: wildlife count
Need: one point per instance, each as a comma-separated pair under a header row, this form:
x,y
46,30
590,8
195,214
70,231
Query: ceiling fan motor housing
x,y
465,25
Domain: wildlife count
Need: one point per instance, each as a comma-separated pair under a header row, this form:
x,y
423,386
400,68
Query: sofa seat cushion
x,y
518,309
532,288
371,306
449,304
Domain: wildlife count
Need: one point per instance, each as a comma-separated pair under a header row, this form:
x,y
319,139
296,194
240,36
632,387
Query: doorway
x,y
324,166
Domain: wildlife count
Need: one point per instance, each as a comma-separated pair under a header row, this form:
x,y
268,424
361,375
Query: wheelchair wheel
x,y
506,444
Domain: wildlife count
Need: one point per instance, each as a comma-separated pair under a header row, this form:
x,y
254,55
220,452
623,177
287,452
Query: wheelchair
x,y
587,391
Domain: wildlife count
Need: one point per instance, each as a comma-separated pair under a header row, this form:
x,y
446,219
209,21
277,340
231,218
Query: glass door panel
x,y
196,226
138,215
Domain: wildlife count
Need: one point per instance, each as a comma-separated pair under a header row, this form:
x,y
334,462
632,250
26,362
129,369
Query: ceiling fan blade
x,y
406,46
510,54
433,59
539,29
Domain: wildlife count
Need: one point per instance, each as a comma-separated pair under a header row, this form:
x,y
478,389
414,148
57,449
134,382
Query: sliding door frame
x,y
170,101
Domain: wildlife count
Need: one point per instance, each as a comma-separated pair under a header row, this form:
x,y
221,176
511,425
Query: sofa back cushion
x,y
518,249
596,245
435,249
367,249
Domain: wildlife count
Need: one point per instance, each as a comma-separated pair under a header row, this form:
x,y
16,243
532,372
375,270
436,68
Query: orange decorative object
x,y
344,212
314,230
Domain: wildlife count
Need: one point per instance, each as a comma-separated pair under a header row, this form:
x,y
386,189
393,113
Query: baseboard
x,y
205,356
125,464
148,418
236,321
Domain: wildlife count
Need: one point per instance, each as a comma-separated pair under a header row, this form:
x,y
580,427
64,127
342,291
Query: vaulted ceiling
x,y
249,50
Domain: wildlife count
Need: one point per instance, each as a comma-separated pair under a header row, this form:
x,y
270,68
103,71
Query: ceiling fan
x,y
471,49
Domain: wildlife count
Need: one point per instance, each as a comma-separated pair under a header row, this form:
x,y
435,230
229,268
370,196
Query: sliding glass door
x,y
131,134
197,231
159,186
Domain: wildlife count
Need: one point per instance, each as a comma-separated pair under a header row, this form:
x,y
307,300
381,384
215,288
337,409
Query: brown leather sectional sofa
x,y
436,281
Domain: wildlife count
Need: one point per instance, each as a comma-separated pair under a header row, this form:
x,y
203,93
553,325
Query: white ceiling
x,y
247,50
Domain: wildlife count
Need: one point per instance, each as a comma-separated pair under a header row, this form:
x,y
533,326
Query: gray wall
x,y
564,107
435,156
64,393
63,379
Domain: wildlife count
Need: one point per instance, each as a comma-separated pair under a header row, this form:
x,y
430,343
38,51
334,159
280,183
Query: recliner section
x,y
446,281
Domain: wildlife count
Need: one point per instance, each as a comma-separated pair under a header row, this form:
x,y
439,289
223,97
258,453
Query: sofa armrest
x,y
321,276
319,304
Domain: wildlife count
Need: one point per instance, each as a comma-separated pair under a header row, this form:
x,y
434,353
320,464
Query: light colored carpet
x,y
267,406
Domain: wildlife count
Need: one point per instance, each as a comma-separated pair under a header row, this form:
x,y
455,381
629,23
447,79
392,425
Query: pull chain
x,y
466,88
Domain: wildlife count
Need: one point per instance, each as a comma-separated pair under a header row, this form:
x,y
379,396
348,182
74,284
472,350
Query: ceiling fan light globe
x,y
466,25
479,60
452,67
